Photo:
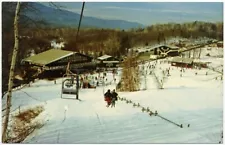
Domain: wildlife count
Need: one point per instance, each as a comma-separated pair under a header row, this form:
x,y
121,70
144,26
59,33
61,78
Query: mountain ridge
x,y
65,18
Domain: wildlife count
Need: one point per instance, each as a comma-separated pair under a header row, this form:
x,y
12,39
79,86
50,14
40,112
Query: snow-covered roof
x,y
182,60
157,46
201,61
104,57
172,46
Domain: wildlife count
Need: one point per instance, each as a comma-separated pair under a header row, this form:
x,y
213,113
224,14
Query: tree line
x,y
96,42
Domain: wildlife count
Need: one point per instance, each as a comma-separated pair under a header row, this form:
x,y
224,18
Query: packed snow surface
x,y
191,99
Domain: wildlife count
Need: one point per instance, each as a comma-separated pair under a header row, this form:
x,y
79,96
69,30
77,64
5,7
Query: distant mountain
x,y
58,17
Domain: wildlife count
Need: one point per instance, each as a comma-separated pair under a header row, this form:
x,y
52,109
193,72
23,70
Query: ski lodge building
x,y
57,60
188,62
182,62
107,61
165,50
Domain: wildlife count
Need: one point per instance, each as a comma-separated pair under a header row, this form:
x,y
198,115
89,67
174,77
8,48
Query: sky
x,y
148,13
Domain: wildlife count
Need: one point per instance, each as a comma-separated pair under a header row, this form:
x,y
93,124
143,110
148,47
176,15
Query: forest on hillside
x,y
96,42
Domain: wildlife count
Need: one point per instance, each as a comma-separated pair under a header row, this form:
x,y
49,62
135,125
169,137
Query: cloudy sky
x,y
148,13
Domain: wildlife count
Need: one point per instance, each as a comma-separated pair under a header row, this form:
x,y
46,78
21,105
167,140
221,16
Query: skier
x,y
114,98
108,97
114,80
81,82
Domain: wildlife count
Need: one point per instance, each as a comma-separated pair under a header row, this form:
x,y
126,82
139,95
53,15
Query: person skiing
x,y
114,98
108,97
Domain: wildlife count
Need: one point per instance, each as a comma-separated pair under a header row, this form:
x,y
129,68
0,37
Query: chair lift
x,y
70,85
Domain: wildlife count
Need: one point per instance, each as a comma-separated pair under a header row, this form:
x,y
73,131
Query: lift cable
x,y
81,15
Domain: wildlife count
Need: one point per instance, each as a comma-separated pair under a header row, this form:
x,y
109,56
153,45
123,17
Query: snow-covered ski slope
x,y
191,99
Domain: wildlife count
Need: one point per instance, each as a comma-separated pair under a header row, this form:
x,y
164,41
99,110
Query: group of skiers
x,y
111,98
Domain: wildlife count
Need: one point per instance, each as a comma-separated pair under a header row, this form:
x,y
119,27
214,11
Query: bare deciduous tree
x,y
11,73
18,9
130,80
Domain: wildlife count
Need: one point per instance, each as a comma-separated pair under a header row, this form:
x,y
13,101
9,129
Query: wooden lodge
x,y
57,60
165,50
182,62
107,61
201,64
220,44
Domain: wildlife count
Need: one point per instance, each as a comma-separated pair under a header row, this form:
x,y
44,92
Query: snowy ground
x,y
191,99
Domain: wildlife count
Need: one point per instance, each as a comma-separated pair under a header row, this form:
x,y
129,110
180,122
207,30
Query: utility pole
x,y
11,73
194,52
145,72
77,87
199,53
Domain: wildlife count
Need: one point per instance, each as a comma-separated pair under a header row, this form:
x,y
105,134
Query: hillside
x,y
191,99
63,18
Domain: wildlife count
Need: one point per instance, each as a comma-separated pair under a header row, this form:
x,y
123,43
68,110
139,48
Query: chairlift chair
x,y
70,86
